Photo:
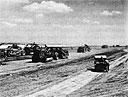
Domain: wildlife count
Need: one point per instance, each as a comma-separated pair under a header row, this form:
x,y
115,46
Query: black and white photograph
x,y
63,48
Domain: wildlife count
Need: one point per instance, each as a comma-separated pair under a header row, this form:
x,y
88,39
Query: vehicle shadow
x,y
95,70
2,64
39,61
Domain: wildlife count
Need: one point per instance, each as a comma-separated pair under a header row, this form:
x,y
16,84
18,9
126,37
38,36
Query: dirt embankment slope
x,y
112,84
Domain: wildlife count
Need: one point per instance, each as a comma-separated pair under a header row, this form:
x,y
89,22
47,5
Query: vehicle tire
x,y
8,54
107,68
55,56
27,52
43,59
23,53
78,51
98,68
43,56
35,59
60,56
66,57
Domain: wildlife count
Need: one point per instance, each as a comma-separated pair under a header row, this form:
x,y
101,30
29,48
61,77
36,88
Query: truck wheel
x,y
55,56
107,68
23,53
35,59
8,54
96,67
43,59
60,56
27,51
66,57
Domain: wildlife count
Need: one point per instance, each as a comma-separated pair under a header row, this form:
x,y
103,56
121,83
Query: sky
x,y
76,22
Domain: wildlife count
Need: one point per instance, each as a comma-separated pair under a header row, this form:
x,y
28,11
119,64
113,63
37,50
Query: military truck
x,y
101,63
83,49
42,53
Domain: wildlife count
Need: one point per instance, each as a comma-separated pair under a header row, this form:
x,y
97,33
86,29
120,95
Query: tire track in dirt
x,y
113,84
53,64
42,77
68,86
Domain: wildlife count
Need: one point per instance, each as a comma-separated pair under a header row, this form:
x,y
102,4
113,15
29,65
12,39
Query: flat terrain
x,y
75,83
24,77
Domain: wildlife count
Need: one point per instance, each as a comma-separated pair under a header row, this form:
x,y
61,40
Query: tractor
x,y
40,54
15,50
83,49
29,48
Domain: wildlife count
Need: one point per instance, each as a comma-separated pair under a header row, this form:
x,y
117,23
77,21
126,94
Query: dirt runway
x,y
43,75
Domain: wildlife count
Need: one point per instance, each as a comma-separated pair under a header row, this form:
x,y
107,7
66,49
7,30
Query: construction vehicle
x,y
3,55
101,63
104,46
29,48
3,50
42,53
15,50
83,49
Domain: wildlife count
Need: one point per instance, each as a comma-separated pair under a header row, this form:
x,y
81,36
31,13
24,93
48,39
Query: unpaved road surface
x,y
38,77
27,65
74,83
112,84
